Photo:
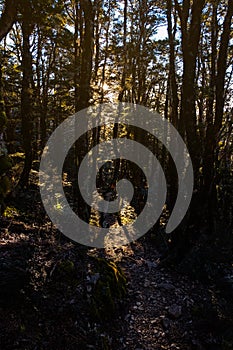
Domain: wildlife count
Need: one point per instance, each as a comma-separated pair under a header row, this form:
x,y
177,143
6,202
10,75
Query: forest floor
x,y
44,294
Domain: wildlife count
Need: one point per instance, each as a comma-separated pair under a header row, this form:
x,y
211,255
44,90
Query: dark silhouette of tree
x,y
26,93
8,17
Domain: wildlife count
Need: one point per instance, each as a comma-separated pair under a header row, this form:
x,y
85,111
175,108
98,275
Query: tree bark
x,y
97,39
123,78
8,17
78,27
214,123
221,67
87,54
172,74
26,98
190,42
105,54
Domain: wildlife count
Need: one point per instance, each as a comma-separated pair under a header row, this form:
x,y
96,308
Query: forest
x,y
171,60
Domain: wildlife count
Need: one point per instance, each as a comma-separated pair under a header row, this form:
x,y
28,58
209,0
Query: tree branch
x,y
8,17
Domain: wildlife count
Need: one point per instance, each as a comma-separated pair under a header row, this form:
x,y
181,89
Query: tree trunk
x,y
87,54
8,17
105,54
26,98
172,74
78,27
222,67
214,123
190,42
97,39
122,90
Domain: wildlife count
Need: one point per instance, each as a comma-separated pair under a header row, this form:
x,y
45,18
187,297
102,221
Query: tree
x,y
8,17
6,21
5,162
87,54
217,94
77,52
26,93
205,63
190,43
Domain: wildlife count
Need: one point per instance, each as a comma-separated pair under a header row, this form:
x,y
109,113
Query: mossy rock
x,y
108,289
65,271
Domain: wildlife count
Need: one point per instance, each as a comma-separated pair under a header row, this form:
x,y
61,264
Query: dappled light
x,y
116,175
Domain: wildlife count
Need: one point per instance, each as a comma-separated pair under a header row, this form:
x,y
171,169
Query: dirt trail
x,y
43,307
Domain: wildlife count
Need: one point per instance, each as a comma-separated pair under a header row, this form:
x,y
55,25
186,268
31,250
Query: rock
x,y
151,264
175,311
153,321
109,289
166,323
146,283
166,286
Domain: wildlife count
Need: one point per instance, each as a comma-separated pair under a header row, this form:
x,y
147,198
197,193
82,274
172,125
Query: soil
x,y
45,294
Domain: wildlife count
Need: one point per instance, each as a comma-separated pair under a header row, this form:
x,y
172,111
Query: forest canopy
x,y
174,57
58,57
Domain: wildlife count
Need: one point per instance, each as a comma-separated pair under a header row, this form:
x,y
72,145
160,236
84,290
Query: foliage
x,y
10,212
76,56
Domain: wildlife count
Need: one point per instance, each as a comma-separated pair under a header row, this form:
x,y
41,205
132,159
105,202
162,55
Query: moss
x,y
109,290
66,266
65,271
3,120
10,212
